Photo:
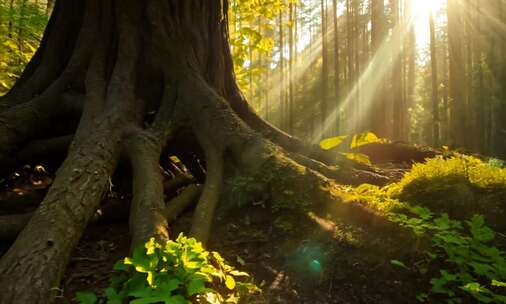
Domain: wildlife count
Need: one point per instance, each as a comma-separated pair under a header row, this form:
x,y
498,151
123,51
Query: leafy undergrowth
x,y
176,272
451,257
446,202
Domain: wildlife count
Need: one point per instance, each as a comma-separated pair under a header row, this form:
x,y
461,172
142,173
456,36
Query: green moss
x,y
374,197
460,186
460,168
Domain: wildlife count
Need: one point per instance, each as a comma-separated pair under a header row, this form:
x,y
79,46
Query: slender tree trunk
x,y
356,49
397,76
337,80
325,71
21,23
378,116
469,77
10,24
479,105
435,83
411,66
445,134
457,74
282,88
290,68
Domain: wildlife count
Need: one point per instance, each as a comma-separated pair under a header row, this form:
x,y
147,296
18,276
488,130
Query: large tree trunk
x,y
169,57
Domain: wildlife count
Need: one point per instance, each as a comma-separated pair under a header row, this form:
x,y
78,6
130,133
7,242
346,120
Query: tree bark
x,y
457,73
435,87
171,57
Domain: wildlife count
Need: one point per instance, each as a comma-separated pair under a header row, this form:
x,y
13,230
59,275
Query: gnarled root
x,y
180,203
147,216
203,215
193,85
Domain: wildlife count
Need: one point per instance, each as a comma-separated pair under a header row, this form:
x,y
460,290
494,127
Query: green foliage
x,y
176,272
377,198
463,258
464,252
357,141
251,24
459,185
21,27
244,189
330,143
478,173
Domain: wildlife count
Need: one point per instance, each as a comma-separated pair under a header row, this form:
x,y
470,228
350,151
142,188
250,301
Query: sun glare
x,y
420,12
423,7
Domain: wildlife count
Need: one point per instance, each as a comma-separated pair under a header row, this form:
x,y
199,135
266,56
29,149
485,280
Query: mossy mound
x,y
460,186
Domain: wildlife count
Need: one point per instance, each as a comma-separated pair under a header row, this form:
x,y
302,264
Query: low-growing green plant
x,y
176,272
355,141
468,261
462,258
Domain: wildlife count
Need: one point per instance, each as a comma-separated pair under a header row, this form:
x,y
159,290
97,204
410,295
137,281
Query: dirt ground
x,y
303,265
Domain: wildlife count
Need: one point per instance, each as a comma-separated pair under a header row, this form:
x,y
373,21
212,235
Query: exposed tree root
x,y
397,153
172,185
190,86
37,258
344,175
258,157
147,216
203,215
32,118
185,199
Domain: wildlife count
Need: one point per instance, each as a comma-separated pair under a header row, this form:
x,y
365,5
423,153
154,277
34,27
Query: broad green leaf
x,y
177,300
478,229
479,292
170,286
120,266
195,287
151,300
236,273
230,282
498,283
364,139
86,297
144,292
113,297
333,142
398,264
150,278
358,157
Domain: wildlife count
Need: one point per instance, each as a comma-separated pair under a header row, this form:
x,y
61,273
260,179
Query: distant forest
x,y
430,72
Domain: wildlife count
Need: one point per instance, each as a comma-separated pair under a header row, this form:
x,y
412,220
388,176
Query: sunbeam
x,y
373,76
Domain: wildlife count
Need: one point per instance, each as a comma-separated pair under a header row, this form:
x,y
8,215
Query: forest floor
x,y
317,266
